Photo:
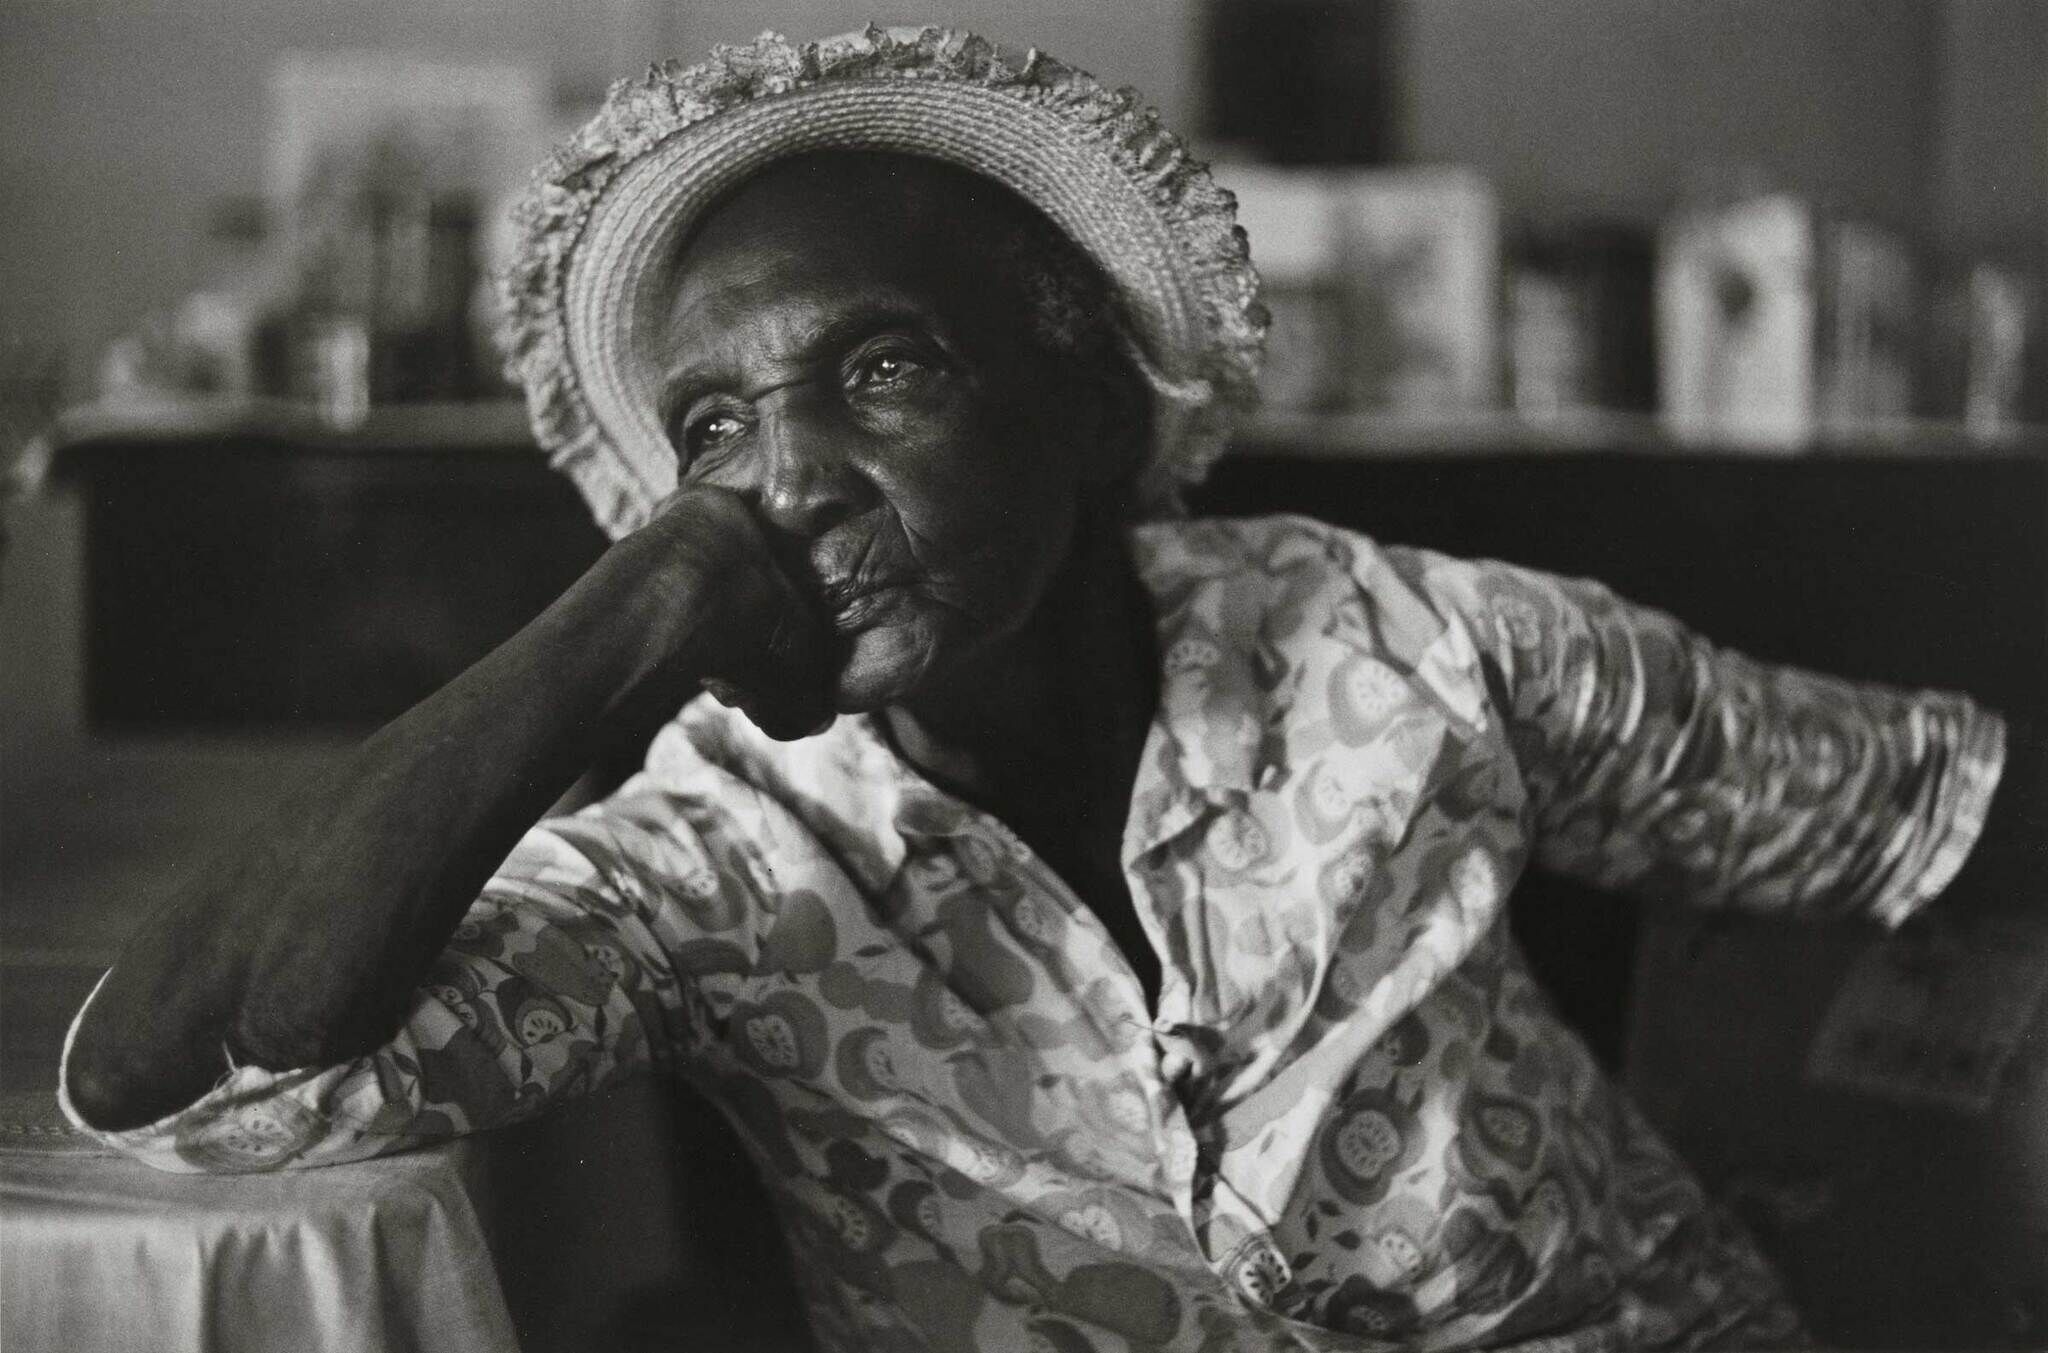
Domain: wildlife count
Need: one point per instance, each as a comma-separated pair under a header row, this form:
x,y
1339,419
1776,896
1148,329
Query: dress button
x,y
1259,1270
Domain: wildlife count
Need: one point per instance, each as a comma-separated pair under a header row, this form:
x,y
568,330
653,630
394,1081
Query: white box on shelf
x,y
1735,324
476,127
1422,281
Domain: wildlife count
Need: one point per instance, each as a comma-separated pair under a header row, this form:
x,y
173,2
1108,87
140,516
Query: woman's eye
x,y
885,368
711,430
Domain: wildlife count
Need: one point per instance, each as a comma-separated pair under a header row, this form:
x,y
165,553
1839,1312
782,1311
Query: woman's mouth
x,y
855,606
854,583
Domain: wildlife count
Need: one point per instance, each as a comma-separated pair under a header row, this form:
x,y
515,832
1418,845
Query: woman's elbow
x,y
110,1092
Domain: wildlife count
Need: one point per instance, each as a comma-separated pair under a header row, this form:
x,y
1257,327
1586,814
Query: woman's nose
x,y
807,483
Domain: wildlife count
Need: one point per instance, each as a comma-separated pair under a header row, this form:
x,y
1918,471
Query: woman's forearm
x,y
304,941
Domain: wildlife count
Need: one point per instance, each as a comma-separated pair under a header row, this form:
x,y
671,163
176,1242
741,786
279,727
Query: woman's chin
x,y
885,666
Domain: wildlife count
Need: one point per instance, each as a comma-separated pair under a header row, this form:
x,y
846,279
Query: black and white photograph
x,y
1177,676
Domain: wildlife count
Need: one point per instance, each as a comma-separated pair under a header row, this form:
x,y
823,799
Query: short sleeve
x,y
1665,766
558,981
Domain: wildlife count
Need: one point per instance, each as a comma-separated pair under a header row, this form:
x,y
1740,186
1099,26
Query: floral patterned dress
x,y
1351,1122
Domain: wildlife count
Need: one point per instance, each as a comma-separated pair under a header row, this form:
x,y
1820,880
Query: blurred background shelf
x,y
1368,436
425,426
500,425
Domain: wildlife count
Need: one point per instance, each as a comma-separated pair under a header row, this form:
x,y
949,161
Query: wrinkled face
x,y
841,352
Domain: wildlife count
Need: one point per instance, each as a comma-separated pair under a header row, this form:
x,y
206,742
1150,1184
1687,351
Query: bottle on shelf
x,y
323,335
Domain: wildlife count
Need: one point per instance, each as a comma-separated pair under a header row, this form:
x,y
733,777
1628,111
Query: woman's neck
x,y
1058,713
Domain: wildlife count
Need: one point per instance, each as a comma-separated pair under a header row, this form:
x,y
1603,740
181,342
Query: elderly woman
x,y
1091,919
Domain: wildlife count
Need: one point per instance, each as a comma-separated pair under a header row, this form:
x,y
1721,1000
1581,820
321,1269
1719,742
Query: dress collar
x,y
1210,742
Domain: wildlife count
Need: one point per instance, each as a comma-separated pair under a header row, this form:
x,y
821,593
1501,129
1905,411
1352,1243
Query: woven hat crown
x,y
618,198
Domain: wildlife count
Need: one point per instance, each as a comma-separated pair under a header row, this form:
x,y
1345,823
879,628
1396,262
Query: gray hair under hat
x,y
617,200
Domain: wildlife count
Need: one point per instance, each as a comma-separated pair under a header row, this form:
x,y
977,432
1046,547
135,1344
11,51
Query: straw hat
x,y
616,201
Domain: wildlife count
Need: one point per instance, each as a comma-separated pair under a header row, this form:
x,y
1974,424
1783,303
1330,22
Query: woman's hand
x,y
756,641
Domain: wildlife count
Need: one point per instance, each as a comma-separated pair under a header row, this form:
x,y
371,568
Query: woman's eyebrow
x,y
865,319
822,337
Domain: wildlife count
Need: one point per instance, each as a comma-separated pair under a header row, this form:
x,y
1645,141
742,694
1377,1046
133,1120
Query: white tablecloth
x,y
98,1253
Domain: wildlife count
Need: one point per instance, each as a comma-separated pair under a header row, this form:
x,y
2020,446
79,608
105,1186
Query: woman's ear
x,y
1119,421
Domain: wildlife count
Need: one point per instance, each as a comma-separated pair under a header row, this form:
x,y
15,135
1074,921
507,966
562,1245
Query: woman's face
x,y
841,352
